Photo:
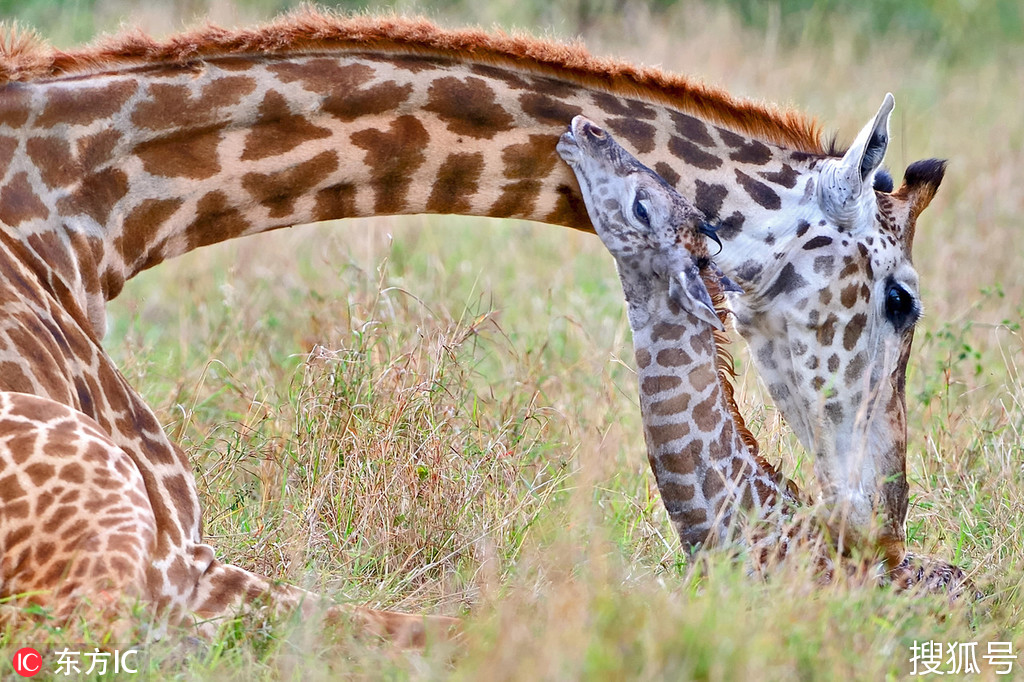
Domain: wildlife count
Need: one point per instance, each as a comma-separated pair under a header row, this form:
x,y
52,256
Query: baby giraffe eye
x,y
900,306
640,211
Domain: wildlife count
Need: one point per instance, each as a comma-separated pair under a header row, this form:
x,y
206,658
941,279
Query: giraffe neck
x,y
108,172
705,462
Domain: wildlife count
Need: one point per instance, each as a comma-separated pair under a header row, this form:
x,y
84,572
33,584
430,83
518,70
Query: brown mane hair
x,y
24,57
726,374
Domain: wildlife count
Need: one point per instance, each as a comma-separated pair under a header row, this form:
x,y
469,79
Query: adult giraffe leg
x,y
224,591
77,530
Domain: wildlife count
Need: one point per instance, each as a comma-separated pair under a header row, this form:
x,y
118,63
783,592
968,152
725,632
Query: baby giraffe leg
x,y
76,526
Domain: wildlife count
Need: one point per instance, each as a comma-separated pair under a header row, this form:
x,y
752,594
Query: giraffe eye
x,y
901,308
640,211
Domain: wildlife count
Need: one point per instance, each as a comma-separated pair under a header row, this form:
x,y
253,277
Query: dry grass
x,y
434,413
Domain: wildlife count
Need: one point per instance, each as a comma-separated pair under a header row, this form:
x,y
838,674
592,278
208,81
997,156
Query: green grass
x,y
437,414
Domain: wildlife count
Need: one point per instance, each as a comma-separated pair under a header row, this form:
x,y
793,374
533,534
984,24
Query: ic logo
x,y
27,662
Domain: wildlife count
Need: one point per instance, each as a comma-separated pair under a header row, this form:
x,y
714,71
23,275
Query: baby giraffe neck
x,y
703,467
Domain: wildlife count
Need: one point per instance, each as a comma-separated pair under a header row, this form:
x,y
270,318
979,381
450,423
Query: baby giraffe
x,y
697,449
705,462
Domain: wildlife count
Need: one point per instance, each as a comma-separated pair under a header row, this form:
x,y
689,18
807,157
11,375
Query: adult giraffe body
x,y
115,158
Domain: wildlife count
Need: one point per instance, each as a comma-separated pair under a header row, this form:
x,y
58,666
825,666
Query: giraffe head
x,y
832,300
654,234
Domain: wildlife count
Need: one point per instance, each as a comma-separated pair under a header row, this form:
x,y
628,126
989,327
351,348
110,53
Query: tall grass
x,y
438,414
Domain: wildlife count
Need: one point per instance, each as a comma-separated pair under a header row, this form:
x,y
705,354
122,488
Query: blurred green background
x,y
952,29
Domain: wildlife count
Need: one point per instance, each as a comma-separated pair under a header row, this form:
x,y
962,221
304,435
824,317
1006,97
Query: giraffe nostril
x,y
592,131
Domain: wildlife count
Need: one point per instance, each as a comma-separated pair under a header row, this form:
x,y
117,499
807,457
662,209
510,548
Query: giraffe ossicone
x,y
117,157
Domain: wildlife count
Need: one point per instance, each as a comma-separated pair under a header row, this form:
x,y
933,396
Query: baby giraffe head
x,y
655,235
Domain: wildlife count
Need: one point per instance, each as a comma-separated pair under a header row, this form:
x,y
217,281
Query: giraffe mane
x,y
726,370
23,58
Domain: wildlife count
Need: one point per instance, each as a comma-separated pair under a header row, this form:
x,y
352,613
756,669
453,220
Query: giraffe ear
x,y
686,288
846,187
728,286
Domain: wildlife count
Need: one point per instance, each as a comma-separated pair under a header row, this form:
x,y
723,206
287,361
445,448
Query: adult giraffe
x,y
115,158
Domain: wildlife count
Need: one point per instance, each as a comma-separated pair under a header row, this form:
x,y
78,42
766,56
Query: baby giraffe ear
x,y
686,288
728,286
847,185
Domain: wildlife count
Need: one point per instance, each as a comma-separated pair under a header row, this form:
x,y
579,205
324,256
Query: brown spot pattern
x,y
15,105
673,357
140,225
667,331
183,153
702,378
639,134
666,433
468,107
833,363
708,197
512,80
96,195
19,203
731,226
8,145
691,154
848,296
547,110
82,106
623,107
761,193
96,149
172,107
667,173
681,462
457,179
278,191
516,199
827,330
530,160
659,383
554,87
786,177
323,75
788,280
52,156
216,221
392,157
569,209
692,129
277,130
855,368
817,243
335,202
674,405
351,104
747,151
854,328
